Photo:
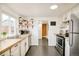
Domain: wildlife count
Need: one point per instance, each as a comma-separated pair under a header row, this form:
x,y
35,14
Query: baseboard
x,y
27,50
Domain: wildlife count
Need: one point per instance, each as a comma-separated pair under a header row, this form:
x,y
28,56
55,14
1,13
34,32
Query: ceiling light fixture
x,y
54,7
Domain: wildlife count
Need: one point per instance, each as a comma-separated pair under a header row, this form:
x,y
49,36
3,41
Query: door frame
x,y
47,30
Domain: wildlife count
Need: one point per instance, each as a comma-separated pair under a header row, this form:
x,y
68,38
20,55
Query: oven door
x,y
60,42
60,45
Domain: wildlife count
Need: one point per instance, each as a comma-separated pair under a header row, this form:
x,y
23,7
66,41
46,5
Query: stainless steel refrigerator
x,y
74,35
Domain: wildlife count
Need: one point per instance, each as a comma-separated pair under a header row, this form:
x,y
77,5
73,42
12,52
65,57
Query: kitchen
x,y
21,30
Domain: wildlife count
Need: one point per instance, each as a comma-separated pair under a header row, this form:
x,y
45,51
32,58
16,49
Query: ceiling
x,y
40,9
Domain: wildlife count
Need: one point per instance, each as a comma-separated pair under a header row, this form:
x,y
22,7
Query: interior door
x,y
44,30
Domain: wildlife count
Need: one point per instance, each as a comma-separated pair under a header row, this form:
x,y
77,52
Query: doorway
x,y
44,31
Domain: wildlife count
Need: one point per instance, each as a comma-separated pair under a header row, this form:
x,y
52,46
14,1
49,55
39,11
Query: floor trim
x,y
28,51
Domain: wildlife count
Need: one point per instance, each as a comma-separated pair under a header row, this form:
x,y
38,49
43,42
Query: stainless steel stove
x,y
60,44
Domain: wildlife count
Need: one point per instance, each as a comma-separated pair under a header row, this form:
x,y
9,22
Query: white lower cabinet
x,y
67,47
26,46
29,40
19,49
7,53
15,50
23,43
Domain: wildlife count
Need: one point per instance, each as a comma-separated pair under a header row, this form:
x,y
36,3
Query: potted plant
x,y
3,35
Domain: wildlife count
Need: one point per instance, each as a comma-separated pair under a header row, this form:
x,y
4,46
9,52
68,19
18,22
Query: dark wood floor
x,y
43,42
43,49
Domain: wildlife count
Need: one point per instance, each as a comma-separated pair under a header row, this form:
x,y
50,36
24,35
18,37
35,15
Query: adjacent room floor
x,y
43,49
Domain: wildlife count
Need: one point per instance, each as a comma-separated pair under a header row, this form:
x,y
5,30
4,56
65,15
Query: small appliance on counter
x,y
24,32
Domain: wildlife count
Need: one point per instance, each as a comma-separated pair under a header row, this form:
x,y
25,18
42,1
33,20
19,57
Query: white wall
x,y
35,34
34,30
7,10
52,30
74,10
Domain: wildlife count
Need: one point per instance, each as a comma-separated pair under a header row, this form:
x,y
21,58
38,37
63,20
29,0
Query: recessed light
x,y
54,7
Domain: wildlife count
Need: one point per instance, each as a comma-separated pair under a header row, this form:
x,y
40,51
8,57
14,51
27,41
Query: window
x,y
10,22
4,17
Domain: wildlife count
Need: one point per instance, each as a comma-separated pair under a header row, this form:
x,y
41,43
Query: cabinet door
x,y
7,53
29,39
15,50
23,48
67,47
27,44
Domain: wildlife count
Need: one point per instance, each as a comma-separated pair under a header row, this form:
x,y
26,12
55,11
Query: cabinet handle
x,y
16,45
25,43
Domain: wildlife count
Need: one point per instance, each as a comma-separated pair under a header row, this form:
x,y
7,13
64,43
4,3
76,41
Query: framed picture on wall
x,y
53,23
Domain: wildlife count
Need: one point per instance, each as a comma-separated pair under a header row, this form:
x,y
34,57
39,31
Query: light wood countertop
x,y
9,43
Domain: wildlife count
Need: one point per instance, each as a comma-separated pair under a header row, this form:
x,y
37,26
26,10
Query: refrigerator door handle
x,y
71,39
